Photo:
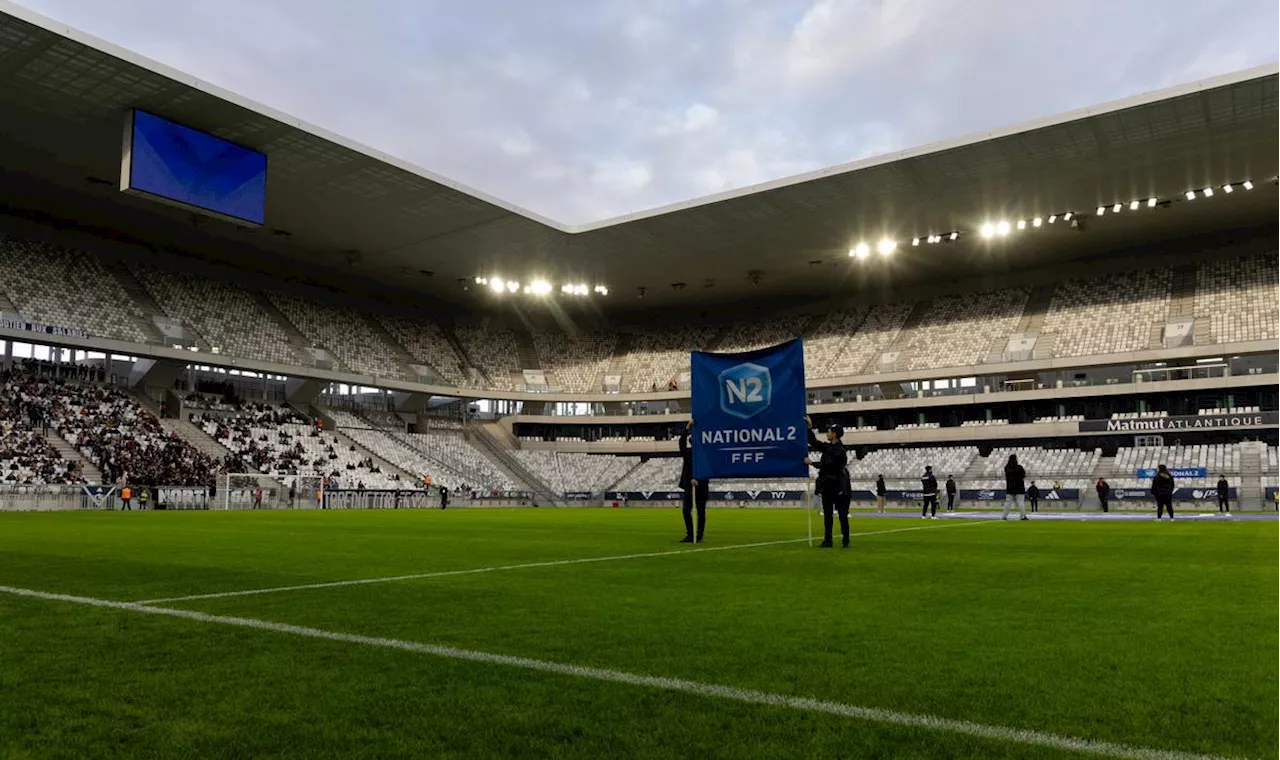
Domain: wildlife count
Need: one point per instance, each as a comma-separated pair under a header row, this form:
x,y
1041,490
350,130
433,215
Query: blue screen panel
x,y
180,164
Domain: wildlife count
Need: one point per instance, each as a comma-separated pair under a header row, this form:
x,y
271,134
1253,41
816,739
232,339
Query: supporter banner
x,y
10,323
711,495
749,413
98,495
1177,472
1174,424
351,498
181,497
577,495
967,494
1179,494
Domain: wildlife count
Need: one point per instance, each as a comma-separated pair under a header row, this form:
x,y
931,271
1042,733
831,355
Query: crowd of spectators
x,y
108,427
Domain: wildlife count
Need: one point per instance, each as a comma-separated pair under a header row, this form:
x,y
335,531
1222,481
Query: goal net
x,y
238,490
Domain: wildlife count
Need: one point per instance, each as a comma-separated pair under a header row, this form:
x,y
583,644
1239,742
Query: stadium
x,y
285,386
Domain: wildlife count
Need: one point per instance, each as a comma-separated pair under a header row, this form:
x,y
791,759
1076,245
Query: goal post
x,y
242,490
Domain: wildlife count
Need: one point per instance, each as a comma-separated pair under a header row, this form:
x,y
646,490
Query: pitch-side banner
x,y
1174,424
748,412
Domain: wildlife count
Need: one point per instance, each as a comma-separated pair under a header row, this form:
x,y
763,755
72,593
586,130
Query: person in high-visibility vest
x,y
126,496
143,497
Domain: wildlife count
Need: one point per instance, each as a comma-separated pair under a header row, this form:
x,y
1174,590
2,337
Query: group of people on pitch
x,y
834,488
832,485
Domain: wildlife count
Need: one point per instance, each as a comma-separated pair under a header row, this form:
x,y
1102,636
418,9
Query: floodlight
x,y
1115,209
1002,228
886,247
513,286
540,287
1248,185
1037,222
1022,224
1151,203
1066,217
1133,205
988,230
1102,210
1208,192
1053,218
1228,188
497,285
916,241
955,235
1191,195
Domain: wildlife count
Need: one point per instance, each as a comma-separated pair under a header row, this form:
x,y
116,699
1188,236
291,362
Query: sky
x,y
581,110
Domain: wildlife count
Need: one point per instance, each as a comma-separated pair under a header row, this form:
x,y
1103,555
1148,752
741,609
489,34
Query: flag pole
x,y
808,506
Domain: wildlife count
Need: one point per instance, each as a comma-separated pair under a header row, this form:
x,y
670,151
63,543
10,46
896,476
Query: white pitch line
x,y
501,568
732,693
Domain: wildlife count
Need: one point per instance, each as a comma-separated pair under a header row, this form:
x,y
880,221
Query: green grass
x,y
1152,635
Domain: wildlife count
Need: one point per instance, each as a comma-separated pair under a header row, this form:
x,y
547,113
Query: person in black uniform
x,y
833,480
929,484
951,494
881,493
1224,493
1033,496
1162,488
444,497
695,492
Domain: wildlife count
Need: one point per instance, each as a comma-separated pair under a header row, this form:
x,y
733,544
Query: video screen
x,y
180,165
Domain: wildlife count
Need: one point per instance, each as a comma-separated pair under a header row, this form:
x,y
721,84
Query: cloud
x,y
581,110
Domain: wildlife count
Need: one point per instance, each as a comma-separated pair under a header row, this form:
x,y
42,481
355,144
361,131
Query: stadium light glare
x,y
513,286
540,287
1151,203
1022,224
1002,228
886,247
1208,192
1247,185
1227,188
1037,222
566,289
1191,195
497,285
1133,205
988,230
860,251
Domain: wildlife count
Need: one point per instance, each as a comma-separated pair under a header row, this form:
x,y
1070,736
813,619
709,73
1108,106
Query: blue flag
x,y
748,412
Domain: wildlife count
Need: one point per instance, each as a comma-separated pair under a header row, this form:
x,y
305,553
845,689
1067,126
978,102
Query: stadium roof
x,y
339,206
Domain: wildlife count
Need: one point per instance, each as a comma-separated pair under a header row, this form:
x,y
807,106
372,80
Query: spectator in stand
x,y
1015,487
1224,492
881,493
1033,497
1162,486
951,494
1104,492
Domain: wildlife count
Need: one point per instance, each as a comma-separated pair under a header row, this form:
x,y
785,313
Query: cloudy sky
x,y
586,109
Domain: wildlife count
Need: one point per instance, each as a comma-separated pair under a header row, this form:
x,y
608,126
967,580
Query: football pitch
x,y
590,633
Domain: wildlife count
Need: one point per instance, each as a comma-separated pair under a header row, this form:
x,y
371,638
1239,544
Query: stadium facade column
x,y
155,373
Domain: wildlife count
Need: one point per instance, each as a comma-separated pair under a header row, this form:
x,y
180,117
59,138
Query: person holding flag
x,y
833,479
695,491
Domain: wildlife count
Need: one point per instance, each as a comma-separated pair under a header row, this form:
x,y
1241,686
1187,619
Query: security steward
x,y
695,492
833,480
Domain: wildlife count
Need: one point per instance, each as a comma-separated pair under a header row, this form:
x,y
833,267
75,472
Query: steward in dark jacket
x,y
833,479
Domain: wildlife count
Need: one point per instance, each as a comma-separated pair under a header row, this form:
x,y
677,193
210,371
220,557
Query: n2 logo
x,y
745,390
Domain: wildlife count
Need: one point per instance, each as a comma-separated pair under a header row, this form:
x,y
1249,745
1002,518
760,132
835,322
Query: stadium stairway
x,y
1034,311
974,471
297,341
384,465
1249,488
402,356
618,360
1105,468
141,297
526,351
469,368
1182,292
199,440
6,306
903,339
69,453
487,437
